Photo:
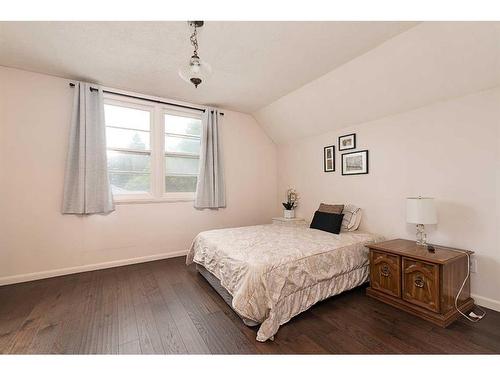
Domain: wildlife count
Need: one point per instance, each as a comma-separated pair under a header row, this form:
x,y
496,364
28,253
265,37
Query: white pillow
x,y
352,218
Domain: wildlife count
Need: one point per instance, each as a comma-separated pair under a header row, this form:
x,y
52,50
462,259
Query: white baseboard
x,y
486,302
14,279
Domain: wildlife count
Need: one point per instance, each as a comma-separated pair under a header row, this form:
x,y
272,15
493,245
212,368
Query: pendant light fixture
x,y
196,70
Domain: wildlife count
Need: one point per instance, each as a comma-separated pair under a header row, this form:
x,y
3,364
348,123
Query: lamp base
x,y
421,236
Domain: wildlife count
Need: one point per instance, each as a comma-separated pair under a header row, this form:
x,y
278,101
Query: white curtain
x,y
210,190
86,184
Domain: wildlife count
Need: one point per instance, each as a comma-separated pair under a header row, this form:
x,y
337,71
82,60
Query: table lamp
x,y
421,211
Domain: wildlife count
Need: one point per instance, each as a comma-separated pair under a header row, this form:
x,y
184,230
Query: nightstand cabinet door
x,y
385,273
428,280
421,283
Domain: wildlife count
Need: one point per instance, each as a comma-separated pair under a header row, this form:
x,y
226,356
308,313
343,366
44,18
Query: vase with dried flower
x,y
292,200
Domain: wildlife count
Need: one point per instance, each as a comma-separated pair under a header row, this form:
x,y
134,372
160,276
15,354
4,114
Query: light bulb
x,y
195,68
194,64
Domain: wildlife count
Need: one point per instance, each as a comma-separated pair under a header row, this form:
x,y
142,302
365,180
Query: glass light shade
x,y
195,71
421,211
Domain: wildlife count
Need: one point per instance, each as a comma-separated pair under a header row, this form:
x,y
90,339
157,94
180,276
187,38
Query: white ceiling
x,y
431,62
254,63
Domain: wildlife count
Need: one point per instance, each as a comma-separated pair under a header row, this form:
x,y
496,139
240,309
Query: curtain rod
x,y
149,100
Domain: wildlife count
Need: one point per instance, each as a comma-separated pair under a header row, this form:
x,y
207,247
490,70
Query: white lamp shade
x,y
421,211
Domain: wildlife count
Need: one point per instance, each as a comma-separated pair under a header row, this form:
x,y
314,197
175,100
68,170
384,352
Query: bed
x,y
270,273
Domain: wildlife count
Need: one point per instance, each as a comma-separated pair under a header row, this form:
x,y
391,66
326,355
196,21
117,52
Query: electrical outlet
x,y
473,265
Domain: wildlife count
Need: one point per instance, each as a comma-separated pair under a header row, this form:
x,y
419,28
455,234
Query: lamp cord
x,y
473,317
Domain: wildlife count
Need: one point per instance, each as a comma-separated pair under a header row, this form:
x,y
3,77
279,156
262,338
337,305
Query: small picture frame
x,y
347,142
355,163
329,159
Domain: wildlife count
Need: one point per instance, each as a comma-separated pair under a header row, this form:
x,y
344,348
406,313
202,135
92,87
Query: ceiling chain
x,y
194,40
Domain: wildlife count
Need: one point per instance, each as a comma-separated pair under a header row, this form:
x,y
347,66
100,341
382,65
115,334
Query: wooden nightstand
x,y
283,221
409,277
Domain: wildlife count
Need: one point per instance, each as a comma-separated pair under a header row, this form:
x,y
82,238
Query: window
x,y
182,152
153,150
128,137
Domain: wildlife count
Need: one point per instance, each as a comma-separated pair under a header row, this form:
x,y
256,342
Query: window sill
x,y
154,198
148,201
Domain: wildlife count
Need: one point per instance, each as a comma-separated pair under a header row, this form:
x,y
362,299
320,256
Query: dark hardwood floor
x,y
166,307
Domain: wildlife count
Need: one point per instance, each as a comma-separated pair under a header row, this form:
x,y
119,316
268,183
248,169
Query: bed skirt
x,y
228,298
325,289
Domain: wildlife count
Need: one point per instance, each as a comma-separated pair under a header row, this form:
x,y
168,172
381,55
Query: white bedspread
x,y
275,272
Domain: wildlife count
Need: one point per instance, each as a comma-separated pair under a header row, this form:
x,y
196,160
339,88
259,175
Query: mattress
x,y
274,272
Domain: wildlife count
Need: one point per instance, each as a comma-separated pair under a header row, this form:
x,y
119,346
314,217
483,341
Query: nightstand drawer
x,y
385,272
421,283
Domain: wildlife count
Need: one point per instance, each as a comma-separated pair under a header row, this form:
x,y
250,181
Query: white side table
x,y
283,221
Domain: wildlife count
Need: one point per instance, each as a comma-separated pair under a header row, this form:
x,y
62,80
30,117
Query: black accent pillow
x,y
327,222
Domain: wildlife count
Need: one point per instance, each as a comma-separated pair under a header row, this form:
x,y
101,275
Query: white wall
x,y
35,238
449,150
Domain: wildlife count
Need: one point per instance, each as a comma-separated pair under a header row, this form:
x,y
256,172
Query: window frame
x,y
158,152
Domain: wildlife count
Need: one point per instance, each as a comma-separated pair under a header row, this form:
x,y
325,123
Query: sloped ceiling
x,y
430,62
254,63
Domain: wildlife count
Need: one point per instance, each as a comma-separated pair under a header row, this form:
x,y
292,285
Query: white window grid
x,y
157,151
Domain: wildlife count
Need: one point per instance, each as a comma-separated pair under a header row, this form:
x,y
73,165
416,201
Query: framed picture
x,y
329,159
347,142
355,163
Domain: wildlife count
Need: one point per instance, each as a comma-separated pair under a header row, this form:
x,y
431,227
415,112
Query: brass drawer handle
x,y
385,270
419,282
